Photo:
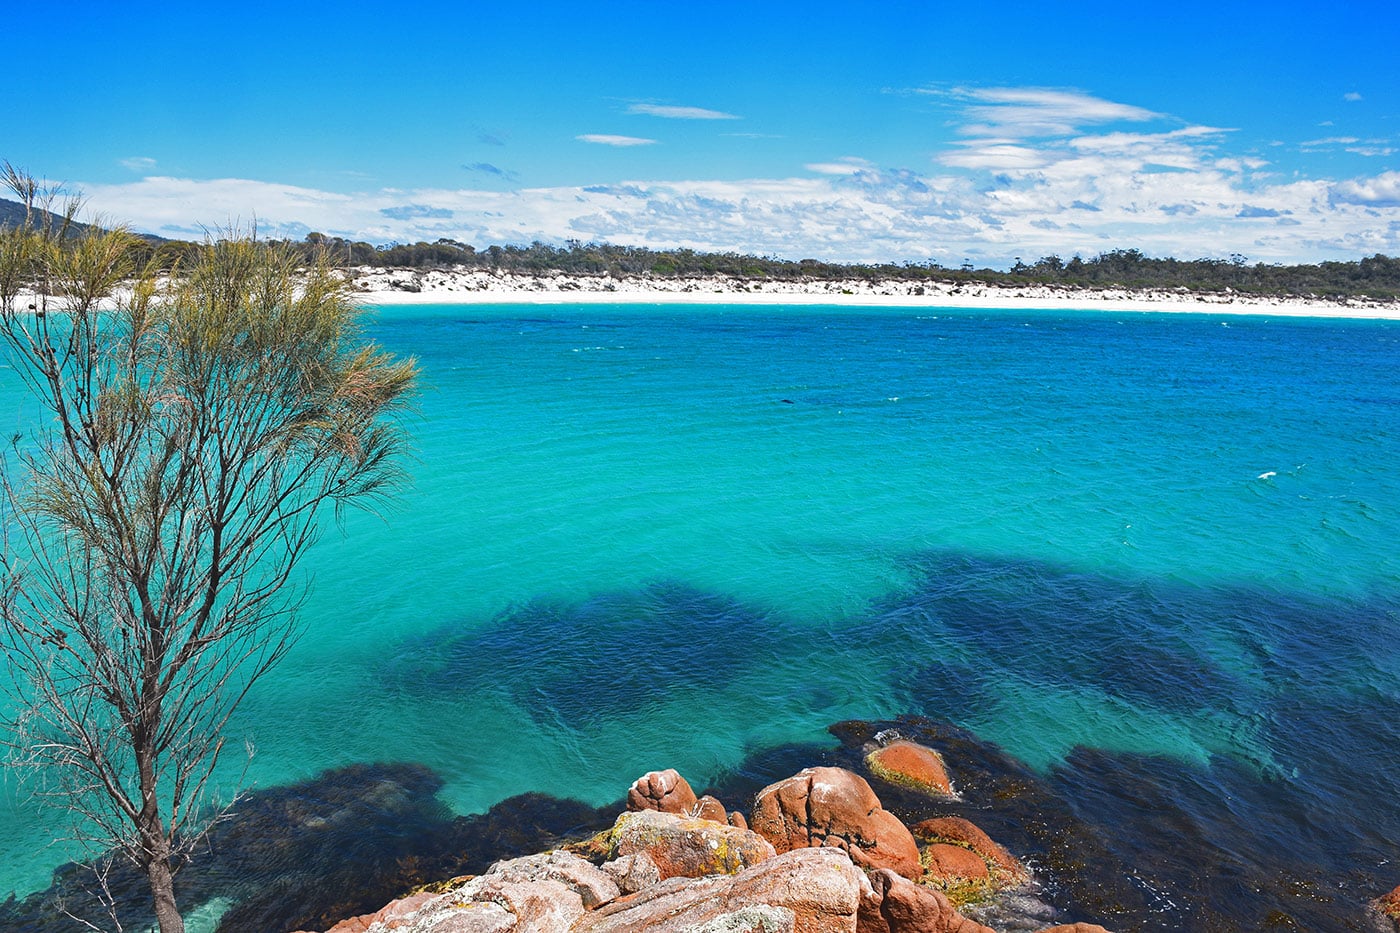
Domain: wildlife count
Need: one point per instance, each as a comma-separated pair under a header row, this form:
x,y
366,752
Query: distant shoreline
x,y
378,286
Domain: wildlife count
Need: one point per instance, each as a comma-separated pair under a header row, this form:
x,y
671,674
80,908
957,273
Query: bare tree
x,y
192,434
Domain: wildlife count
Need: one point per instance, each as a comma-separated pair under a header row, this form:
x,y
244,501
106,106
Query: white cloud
x,y
606,139
1352,96
846,165
139,163
1381,191
885,216
1035,172
1372,150
680,113
1025,113
1329,141
997,157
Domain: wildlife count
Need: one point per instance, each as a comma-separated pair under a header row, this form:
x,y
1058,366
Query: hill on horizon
x,y
12,215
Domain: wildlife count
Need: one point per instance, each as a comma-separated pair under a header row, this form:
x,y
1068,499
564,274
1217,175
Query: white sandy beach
x,y
376,286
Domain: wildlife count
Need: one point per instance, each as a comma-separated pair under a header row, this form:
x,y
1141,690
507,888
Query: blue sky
x,y
893,131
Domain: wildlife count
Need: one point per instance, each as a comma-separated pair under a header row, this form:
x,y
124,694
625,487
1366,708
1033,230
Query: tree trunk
x,y
163,896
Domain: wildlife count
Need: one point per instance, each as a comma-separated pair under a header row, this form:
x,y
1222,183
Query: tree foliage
x,y
1374,276
191,437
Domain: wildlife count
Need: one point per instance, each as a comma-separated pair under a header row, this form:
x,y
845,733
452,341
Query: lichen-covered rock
x,y
759,918
1006,869
591,884
1387,910
540,905
686,847
821,888
911,765
544,893
633,872
834,807
665,790
737,819
898,905
466,917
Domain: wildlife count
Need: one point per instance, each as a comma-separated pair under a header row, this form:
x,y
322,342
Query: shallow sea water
x,y
643,537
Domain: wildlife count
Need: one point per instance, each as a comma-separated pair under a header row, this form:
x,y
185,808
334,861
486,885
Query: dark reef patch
x,y
1138,640
1146,843
307,855
580,663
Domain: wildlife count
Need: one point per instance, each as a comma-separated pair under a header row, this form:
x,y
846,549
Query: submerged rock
x,y
948,864
911,765
959,831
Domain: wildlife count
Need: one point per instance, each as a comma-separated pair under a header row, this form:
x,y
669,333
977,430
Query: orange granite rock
x,y
911,765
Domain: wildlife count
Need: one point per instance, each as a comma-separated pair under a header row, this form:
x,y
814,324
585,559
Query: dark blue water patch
x,y
1148,641
1133,639
1292,826
1147,843
1224,848
307,855
582,663
947,688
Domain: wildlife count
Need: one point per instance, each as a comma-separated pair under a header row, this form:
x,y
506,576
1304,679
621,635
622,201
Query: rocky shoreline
x,y
388,286
1122,841
886,837
817,854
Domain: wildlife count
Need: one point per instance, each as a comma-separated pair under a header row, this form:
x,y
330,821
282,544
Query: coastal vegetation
x,y
1376,277
156,521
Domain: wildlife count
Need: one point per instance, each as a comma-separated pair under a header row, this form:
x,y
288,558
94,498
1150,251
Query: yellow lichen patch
x,y
441,887
961,887
962,892
597,848
1389,906
957,831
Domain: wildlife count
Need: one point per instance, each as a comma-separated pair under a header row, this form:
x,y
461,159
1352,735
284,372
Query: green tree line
x,y
1376,276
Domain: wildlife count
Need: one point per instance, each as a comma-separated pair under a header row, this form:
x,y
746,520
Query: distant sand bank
x,y
377,286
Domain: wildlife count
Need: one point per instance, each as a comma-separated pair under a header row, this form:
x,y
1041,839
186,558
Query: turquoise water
x,y
644,537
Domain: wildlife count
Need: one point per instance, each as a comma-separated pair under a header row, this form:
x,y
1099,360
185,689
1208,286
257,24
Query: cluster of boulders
x,y
817,854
